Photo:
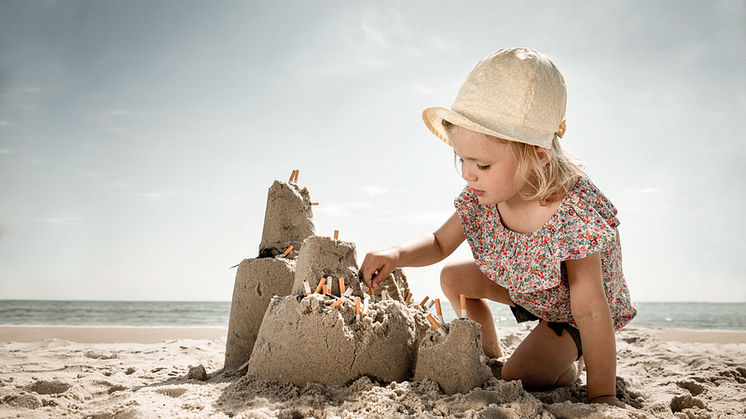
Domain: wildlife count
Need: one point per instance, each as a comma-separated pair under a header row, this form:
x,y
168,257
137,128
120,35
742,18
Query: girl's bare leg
x,y
464,277
543,360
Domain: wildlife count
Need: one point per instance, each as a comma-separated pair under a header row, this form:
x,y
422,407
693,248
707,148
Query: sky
x,y
138,139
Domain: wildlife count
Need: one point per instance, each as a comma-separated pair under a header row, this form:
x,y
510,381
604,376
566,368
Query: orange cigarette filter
x,y
321,285
357,306
424,301
371,290
336,234
337,303
341,286
288,250
437,307
325,289
409,297
463,306
314,203
433,321
292,176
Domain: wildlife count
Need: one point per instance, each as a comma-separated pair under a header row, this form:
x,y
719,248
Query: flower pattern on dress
x,y
530,265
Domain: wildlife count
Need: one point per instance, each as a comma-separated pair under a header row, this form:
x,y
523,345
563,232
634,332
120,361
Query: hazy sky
x,y
138,138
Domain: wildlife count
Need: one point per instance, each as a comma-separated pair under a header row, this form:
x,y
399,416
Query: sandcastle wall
x,y
257,281
309,341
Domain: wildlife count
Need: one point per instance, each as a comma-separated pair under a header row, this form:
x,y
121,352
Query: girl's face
x,y
487,165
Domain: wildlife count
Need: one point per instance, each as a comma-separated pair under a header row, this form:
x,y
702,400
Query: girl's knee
x,y
450,275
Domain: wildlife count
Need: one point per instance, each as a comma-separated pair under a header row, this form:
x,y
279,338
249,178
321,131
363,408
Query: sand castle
x,y
300,313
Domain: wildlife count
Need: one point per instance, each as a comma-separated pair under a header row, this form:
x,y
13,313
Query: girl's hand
x,y
613,401
378,265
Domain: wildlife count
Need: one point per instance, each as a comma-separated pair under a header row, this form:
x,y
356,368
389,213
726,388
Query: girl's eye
x,y
480,167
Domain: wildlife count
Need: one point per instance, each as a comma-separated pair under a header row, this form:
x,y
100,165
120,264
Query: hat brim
x,y
433,117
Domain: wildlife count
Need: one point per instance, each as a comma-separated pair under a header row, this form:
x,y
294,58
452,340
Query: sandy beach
x,y
123,372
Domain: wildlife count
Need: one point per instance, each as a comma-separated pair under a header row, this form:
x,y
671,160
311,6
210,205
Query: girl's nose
x,y
467,172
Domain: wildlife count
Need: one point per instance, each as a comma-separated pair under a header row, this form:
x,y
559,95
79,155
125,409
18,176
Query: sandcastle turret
x,y
288,219
288,222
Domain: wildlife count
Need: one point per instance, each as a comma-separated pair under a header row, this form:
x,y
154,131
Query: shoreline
x,y
109,334
156,334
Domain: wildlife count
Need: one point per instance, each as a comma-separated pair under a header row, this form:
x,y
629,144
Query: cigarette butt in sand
x,y
292,176
348,292
372,292
336,234
365,310
422,303
306,287
409,297
337,303
384,295
430,304
325,290
436,325
320,287
439,312
314,203
341,286
357,308
463,306
287,251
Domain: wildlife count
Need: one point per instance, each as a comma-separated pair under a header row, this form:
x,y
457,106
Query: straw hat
x,y
516,94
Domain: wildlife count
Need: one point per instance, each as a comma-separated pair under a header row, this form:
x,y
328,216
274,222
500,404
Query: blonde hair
x,y
549,182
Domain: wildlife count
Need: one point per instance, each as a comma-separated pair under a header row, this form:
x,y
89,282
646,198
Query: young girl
x,y
544,238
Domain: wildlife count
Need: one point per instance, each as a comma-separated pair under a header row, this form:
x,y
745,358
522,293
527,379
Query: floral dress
x,y
529,265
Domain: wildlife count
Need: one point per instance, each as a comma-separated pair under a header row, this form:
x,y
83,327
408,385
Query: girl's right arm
x,y
422,251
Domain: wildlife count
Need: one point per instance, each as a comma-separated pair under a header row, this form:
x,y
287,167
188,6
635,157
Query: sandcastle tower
x,y
288,221
455,361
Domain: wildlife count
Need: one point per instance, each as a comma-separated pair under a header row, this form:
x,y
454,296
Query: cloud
x,y
373,35
159,196
373,190
60,221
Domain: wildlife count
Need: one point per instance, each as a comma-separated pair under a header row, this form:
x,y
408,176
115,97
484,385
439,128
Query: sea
x,y
689,315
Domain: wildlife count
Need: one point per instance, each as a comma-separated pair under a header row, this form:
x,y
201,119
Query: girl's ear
x,y
543,154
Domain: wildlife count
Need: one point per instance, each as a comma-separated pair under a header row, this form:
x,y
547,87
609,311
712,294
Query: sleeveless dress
x,y
529,265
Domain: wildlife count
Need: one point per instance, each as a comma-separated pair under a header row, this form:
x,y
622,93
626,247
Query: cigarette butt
x,y
437,307
348,292
288,250
292,176
336,234
409,297
325,290
371,291
424,301
307,287
357,306
341,286
337,303
314,203
435,324
320,287
463,306
384,295
365,310
430,304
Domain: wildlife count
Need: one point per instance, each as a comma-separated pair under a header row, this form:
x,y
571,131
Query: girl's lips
x,y
477,192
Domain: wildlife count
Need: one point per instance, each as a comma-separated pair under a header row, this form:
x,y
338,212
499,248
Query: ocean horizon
x,y
678,315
